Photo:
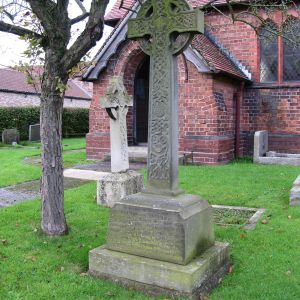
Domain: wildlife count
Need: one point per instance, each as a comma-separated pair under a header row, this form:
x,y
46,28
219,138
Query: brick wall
x,y
206,116
276,110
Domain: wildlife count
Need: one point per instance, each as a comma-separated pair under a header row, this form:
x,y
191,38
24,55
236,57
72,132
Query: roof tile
x,y
214,56
116,13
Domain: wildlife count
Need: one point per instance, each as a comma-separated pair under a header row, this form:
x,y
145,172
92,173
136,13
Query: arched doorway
x,y
141,102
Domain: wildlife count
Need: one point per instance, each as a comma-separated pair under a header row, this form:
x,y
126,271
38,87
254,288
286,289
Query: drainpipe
x,y
239,99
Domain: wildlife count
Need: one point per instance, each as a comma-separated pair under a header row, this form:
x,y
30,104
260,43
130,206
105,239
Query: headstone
x,y
260,144
116,102
34,133
10,136
295,193
161,238
121,182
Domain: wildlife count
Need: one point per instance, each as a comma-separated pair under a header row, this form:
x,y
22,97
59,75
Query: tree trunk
x,y
52,189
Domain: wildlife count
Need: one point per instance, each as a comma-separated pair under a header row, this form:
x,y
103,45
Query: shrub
x,y
75,120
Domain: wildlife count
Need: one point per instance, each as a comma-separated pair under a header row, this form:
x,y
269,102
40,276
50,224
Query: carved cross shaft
x,y
158,25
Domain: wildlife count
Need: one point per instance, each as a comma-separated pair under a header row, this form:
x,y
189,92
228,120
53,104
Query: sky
x,y
11,47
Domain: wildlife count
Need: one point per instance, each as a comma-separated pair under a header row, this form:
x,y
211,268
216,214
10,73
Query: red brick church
x,y
231,84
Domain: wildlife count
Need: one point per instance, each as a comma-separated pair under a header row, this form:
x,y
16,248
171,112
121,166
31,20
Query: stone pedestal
x,y
112,187
166,242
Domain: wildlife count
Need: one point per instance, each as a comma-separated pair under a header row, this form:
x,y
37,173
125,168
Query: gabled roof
x,y
14,81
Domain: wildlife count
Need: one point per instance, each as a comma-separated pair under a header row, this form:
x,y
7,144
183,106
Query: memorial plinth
x,y
162,245
161,240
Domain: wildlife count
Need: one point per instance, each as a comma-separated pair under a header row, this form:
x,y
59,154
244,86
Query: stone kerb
x,y
261,154
111,188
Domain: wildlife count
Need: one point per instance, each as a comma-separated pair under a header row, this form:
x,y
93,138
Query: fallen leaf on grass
x,y
264,222
32,258
4,242
230,269
59,269
243,235
288,273
83,274
289,217
109,294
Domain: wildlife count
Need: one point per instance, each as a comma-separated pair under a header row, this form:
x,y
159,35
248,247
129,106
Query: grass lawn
x,y
13,170
266,260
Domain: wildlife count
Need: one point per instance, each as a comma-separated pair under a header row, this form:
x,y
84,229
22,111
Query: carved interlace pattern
x,y
156,26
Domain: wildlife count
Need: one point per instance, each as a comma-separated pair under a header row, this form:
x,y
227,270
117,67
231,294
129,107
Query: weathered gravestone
x,y
260,144
116,102
162,240
34,133
10,136
121,182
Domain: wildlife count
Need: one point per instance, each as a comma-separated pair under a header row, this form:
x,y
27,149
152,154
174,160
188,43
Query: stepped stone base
x,y
194,280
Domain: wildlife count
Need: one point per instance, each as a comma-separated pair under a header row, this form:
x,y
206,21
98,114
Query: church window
x,y
280,53
268,53
291,50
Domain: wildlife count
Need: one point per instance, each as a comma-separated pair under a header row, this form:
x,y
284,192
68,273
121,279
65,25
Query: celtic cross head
x,y
165,24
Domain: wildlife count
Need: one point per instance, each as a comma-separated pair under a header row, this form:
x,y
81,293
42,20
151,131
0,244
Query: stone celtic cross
x,y
164,29
116,102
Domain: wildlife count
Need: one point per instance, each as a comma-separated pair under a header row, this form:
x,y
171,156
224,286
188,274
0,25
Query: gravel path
x,y
29,190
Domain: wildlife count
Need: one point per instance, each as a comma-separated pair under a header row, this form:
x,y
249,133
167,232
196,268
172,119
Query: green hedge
x,y
75,120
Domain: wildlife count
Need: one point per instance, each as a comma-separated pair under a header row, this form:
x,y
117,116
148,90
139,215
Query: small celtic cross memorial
x,y
116,102
164,29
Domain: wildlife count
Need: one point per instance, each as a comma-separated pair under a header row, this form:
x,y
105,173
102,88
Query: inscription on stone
x,y
147,232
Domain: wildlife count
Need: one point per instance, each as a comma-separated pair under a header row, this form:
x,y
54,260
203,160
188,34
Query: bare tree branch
x,y
79,18
17,30
90,35
78,2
